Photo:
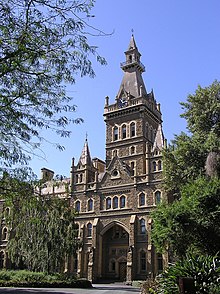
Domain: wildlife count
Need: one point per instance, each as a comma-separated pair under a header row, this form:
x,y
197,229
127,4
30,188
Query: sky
x,y
179,41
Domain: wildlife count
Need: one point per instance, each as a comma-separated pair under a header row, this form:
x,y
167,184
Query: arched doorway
x,y
115,244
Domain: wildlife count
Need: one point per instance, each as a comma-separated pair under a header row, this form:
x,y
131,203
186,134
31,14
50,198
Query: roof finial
x,y
132,32
86,136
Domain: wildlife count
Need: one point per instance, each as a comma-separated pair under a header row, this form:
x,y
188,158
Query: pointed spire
x,y
85,157
132,44
133,69
159,139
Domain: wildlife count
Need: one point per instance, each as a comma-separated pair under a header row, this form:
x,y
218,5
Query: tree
x,y
191,174
43,45
42,229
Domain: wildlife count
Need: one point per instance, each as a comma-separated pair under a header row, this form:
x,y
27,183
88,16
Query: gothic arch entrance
x,y
115,244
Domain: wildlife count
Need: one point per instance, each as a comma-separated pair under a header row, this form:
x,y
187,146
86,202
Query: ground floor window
x,y
143,265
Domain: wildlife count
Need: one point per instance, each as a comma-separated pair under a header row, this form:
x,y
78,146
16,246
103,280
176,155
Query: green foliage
x,y
191,222
43,45
205,271
39,279
43,230
191,171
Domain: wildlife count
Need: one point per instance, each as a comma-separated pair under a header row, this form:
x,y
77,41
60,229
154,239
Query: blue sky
x,y
180,45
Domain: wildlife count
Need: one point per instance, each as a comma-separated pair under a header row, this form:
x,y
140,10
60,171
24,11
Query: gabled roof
x,y
85,158
159,139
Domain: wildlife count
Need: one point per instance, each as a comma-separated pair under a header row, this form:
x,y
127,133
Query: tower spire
x,y
133,68
85,158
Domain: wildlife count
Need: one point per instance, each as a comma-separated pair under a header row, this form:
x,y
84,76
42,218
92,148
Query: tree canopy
x,y
43,45
191,174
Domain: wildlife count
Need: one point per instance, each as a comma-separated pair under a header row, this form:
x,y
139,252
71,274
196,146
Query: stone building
x,y
114,198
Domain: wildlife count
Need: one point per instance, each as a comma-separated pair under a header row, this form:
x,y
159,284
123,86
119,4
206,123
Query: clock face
x,y
122,102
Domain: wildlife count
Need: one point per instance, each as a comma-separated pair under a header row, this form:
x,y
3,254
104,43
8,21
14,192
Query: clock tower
x,y
132,121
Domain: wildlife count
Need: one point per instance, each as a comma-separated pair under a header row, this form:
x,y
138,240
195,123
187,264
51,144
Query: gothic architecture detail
x,y
114,198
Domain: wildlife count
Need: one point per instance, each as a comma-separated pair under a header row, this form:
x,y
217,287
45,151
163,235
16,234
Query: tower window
x,y
142,226
115,202
154,166
132,129
89,230
142,199
108,203
124,132
77,206
115,133
122,201
90,205
130,58
158,197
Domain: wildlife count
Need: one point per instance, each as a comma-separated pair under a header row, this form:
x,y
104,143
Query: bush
x,y
205,271
22,278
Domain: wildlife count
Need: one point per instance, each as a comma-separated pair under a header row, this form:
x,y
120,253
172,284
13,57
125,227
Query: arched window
x,y
159,165
142,199
130,58
132,129
132,150
108,203
90,204
77,179
77,206
115,202
5,234
2,258
122,201
115,133
154,166
157,197
142,226
143,264
124,132
89,230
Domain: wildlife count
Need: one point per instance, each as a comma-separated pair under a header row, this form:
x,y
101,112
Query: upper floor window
x,y
132,129
142,199
154,166
89,230
108,203
90,204
115,202
122,201
158,197
77,178
81,178
77,206
159,165
115,133
142,226
124,131
76,227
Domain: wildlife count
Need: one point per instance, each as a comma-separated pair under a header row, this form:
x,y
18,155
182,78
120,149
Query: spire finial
x,y
86,136
132,32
